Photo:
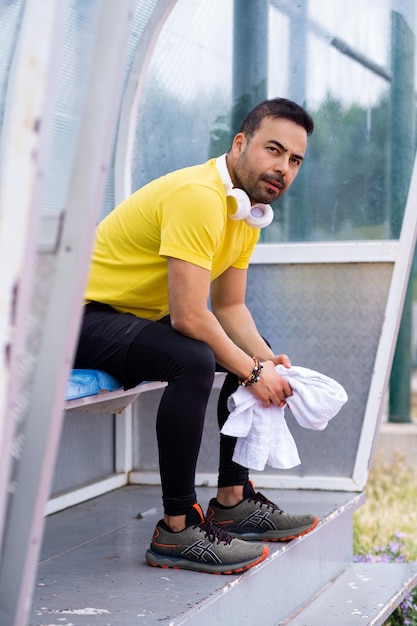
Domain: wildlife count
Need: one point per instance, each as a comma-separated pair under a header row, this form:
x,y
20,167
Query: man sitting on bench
x,y
158,258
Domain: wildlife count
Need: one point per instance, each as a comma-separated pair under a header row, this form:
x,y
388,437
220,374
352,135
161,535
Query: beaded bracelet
x,y
253,376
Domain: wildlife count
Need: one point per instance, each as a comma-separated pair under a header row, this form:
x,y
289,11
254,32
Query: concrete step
x,y
92,569
365,594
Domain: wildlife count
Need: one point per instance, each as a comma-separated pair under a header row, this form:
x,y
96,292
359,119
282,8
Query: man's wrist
x,y
253,376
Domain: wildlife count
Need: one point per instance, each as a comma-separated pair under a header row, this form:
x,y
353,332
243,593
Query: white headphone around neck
x,y
238,202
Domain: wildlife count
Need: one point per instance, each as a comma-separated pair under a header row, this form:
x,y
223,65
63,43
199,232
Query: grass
x,y
391,497
385,525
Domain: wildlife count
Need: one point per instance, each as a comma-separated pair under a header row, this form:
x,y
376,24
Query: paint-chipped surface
x,y
93,573
365,594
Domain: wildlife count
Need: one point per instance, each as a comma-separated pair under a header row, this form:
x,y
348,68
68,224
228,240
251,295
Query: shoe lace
x,y
259,498
214,532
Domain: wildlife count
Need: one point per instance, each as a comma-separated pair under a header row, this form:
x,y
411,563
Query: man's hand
x,y
271,388
282,359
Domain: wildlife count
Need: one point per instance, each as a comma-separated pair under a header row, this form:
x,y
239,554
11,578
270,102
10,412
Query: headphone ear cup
x,y
239,208
260,215
238,204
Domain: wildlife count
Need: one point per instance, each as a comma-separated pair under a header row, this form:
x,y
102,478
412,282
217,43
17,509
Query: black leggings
x,y
135,350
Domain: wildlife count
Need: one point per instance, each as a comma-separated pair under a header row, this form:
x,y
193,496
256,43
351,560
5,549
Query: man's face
x,y
266,165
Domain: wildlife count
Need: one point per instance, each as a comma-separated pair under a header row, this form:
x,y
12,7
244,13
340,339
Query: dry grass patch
x,y
390,508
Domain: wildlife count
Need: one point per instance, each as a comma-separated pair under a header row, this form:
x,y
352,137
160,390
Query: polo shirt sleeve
x,y
251,239
192,221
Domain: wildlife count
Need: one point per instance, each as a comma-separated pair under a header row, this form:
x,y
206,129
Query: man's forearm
x,y
240,326
228,353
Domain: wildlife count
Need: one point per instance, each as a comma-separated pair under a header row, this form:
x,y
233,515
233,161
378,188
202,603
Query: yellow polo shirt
x,y
181,215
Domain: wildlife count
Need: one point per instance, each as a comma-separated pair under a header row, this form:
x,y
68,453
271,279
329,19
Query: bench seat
x,y
95,391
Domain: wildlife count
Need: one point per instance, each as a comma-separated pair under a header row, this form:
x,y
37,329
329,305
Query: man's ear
x,y
239,142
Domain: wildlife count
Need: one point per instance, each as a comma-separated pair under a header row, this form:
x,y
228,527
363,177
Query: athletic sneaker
x,y
259,519
203,546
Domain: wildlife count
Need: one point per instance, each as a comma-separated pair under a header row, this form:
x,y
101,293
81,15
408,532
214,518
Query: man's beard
x,y
256,189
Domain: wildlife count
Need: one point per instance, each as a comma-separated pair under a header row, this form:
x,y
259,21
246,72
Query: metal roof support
x,y
250,57
403,150
24,144
43,411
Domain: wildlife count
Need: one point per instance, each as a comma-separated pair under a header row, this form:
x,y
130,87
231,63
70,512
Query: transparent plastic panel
x,y
184,110
10,20
73,75
352,65
72,79
140,20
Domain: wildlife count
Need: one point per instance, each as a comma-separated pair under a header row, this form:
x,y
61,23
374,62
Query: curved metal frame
x,y
43,411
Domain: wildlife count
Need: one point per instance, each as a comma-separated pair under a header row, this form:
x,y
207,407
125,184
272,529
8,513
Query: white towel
x,y
262,432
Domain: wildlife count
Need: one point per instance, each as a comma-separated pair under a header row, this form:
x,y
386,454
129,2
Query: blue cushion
x,y
84,383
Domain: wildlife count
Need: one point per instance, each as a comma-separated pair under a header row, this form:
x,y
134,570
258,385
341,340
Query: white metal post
x,y
60,321
24,144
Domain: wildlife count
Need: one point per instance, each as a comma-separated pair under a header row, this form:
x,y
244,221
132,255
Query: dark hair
x,y
277,107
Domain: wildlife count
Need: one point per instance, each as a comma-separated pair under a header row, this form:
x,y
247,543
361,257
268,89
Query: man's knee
x,y
198,358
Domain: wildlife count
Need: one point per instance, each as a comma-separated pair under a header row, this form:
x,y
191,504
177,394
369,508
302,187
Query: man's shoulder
x,y
196,181
205,174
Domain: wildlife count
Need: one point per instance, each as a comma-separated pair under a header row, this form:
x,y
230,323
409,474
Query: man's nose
x,y
281,165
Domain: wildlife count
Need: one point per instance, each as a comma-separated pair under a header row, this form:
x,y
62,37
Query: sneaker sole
x,y
270,535
161,560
